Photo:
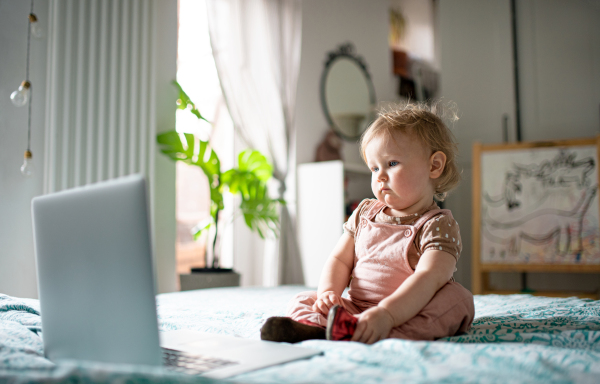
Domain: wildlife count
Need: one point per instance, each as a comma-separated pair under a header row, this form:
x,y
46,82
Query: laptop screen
x,y
95,276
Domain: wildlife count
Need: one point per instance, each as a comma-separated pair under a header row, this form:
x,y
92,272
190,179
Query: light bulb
x,y
36,30
20,97
27,168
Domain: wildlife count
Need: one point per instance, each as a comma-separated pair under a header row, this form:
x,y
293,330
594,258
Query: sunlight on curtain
x,y
197,75
256,45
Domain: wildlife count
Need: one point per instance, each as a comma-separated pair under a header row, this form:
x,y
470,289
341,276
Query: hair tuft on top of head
x,y
429,124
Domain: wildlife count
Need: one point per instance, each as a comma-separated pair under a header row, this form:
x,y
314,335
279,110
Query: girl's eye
x,y
393,163
374,169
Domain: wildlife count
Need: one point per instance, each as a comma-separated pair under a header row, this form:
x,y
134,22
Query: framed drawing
x,y
535,208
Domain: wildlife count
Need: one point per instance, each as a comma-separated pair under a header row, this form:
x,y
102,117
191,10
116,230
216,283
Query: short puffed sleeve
x,y
442,233
354,219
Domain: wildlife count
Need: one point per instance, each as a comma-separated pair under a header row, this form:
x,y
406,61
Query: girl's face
x,y
403,170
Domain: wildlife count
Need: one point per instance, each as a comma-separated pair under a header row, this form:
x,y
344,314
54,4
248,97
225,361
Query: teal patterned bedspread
x,y
514,339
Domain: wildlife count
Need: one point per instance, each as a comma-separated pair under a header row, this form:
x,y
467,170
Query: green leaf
x,y
237,181
254,162
172,145
187,148
184,102
201,227
253,167
259,210
208,160
216,198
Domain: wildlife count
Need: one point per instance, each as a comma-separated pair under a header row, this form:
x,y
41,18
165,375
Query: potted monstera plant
x,y
248,180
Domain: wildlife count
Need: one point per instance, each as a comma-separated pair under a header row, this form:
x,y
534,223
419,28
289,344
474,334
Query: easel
x,y
481,269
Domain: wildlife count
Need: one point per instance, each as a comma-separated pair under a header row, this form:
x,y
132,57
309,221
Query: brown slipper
x,y
289,331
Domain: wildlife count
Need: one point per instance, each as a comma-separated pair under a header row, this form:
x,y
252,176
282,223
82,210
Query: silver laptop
x,y
96,288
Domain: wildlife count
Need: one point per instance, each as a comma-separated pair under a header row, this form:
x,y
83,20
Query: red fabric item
x,y
342,325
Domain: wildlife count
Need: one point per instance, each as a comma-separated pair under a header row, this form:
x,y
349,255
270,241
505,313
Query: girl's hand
x,y
325,301
373,325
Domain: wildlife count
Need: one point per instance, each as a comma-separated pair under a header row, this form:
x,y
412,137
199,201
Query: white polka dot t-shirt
x,y
439,233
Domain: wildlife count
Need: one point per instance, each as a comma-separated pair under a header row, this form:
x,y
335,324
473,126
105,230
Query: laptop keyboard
x,y
192,364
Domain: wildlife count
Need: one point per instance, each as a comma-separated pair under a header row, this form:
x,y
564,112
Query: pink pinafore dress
x,y
380,267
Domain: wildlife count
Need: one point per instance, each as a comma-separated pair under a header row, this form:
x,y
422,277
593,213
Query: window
x,y
197,74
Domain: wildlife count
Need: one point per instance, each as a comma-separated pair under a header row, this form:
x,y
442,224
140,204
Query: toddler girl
x,y
398,252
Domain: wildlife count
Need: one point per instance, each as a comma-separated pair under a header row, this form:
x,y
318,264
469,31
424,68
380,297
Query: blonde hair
x,y
426,123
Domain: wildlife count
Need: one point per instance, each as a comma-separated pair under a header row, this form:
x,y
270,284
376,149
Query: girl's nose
x,y
382,176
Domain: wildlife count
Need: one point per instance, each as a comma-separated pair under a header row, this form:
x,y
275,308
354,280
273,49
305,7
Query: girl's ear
x,y
437,162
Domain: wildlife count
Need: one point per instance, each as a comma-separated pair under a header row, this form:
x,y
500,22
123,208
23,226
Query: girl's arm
x,y
434,270
335,275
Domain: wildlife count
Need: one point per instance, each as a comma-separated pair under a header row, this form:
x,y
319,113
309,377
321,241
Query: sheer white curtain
x,y
256,45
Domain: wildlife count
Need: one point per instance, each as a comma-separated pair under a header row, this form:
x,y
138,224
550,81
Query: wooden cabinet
x,y
325,189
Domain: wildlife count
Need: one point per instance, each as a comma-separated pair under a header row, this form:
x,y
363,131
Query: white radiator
x,y
110,68
100,119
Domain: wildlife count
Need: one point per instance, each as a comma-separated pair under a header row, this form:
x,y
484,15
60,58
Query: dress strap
x,y
373,210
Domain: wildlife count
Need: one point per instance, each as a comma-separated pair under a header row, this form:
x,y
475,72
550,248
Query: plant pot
x,y
202,278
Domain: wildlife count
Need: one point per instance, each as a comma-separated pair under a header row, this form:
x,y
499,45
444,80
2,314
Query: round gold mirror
x,y
347,93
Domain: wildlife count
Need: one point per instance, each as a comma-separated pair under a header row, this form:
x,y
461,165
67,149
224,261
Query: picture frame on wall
x,y
535,208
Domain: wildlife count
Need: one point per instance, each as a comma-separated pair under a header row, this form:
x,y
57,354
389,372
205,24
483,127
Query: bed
x,y
516,338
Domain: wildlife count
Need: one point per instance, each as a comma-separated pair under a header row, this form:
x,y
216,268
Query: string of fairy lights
x,y
23,95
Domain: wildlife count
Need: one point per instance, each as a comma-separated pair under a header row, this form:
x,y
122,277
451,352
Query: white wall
x,y
163,182
476,74
559,63
325,25
17,263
